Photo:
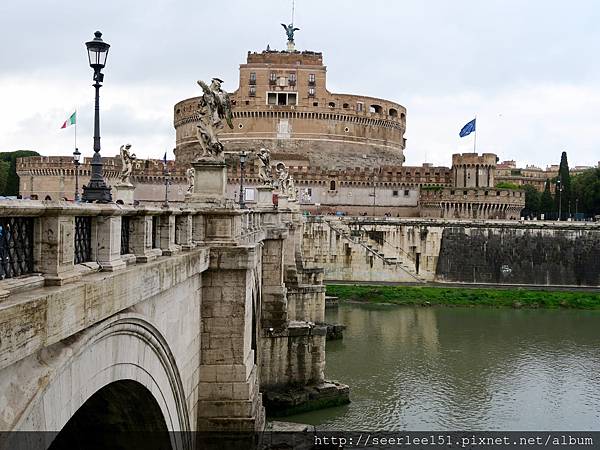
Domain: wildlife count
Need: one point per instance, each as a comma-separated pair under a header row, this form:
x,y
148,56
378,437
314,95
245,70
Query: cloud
x,y
528,69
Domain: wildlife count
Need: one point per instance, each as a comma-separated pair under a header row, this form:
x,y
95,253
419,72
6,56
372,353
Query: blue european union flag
x,y
468,128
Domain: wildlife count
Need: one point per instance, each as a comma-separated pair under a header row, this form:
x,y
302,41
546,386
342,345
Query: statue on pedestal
x,y
191,179
290,30
292,192
214,109
264,172
126,163
283,176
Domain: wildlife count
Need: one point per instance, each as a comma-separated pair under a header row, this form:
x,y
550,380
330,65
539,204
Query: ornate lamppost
x,y
76,158
243,157
97,190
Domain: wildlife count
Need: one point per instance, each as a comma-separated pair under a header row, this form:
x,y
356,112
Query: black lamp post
x,y
97,190
76,158
243,156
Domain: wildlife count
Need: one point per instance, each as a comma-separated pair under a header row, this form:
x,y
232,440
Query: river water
x,y
415,368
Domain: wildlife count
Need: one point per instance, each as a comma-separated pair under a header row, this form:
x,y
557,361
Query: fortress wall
x,y
466,251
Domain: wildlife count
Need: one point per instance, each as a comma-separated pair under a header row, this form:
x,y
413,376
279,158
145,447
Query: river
x,y
415,368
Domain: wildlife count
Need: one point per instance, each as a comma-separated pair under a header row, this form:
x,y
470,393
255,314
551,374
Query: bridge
x,y
173,317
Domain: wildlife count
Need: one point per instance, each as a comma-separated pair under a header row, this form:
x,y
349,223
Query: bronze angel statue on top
x,y
214,108
290,30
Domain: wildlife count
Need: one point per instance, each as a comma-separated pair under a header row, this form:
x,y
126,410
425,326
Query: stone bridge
x,y
176,317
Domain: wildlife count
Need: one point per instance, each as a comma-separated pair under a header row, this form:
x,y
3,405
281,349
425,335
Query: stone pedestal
x,y
210,181
293,205
283,202
124,192
265,197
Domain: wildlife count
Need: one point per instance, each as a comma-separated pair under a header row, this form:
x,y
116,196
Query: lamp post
x,y
76,157
97,190
243,156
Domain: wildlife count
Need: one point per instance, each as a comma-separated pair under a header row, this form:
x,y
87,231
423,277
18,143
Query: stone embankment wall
x,y
413,250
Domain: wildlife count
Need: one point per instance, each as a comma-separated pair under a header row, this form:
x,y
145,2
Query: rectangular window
x,y
311,78
311,92
394,193
272,78
252,92
252,77
360,106
292,79
282,98
406,192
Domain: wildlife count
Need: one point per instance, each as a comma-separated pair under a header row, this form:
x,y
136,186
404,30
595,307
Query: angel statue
x,y
283,175
126,163
264,172
214,108
191,179
290,30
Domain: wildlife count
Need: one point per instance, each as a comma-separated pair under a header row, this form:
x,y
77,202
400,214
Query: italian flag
x,y
70,121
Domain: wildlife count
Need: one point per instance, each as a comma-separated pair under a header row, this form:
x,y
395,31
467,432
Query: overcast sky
x,y
529,69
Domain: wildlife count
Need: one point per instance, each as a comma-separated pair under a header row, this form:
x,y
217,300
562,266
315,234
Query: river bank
x,y
466,296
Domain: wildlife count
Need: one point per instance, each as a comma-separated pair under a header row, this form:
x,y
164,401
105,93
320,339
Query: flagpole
x,y
475,140
75,128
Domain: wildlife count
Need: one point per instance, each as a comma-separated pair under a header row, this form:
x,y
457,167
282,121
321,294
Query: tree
x,y
546,200
532,201
12,179
563,198
586,192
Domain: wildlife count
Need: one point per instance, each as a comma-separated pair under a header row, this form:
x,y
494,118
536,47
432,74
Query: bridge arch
x,y
124,350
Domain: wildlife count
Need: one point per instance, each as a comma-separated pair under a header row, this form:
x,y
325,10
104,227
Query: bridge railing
x,y
57,242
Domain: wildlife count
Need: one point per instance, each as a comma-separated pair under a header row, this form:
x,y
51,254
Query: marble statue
x,y
264,172
283,176
191,179
292,192
126,163
214,109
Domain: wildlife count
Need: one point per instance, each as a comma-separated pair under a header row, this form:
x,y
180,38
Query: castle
x,y
345,152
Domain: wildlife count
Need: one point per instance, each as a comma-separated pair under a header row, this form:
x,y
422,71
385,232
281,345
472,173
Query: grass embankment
x,y
458,296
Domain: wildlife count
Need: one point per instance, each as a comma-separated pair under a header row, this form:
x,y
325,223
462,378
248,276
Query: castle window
x,y
282,98
272,78
332,185
311,79
360,106
394,193
252,77
252,91
331,105
376,109
403,117
406,192
393,112
315,103
292,79
346,106
311,92
347,130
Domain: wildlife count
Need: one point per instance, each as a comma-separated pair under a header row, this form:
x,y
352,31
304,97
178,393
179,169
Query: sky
x,y
528,70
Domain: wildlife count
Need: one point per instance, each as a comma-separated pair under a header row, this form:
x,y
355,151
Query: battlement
x,y
304,58
473,159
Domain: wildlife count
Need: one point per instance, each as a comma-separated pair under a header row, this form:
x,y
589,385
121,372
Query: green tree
x,y
11,187
546,200
563,198
532,201
4,169
586,192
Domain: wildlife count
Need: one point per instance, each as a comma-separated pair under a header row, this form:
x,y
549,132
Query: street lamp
x,y
76,158
243,156
97,190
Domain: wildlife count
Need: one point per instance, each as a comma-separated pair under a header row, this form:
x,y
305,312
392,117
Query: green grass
x,y
460,296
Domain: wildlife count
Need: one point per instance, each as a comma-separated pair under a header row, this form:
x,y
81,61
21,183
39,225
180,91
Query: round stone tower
x,y
470,170
282,103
